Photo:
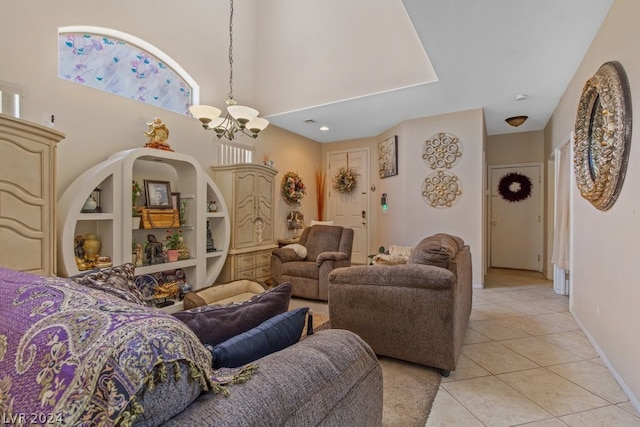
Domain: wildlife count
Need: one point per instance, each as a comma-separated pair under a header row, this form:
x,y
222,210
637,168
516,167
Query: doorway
x,y
351,209
515,217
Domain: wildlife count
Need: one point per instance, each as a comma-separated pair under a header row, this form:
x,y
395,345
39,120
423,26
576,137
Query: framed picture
x,y
388,157
158,194
175,200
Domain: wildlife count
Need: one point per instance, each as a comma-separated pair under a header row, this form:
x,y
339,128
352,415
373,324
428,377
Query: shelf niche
x,y
114,225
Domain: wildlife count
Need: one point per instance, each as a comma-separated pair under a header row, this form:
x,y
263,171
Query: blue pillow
x,y
270,336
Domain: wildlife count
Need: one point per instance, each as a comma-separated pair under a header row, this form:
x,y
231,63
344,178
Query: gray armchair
x,y
417,311
327,247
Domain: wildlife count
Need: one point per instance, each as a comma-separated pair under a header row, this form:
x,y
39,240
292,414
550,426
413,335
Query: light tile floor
x,y
526,362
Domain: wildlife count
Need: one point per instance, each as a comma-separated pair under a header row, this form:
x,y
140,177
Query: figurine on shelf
x,y
139,257
213,206
153,251
210,245
183,250
158,134
79,254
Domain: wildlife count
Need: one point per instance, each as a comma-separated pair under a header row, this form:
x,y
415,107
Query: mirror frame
x,y
603,135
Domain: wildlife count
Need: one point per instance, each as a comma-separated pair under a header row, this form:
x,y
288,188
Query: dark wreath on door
x,y
515,187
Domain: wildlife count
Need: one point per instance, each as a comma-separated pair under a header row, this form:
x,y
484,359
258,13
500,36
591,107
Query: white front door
x,y
516,217
351,209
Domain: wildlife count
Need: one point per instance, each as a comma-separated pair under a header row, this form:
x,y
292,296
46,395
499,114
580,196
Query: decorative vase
x,y
91,247
172,255
90,205
135,222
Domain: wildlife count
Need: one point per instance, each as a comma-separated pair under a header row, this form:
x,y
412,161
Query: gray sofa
x,y
331,378
417,311
89,352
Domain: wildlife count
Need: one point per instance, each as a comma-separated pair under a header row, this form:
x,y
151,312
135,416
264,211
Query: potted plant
x,y
173,242
136,191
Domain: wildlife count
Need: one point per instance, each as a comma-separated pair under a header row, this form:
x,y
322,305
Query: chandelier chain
x,y
231,50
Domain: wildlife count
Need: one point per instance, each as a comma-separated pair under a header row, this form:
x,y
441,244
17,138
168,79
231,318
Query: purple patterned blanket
x,y
71,355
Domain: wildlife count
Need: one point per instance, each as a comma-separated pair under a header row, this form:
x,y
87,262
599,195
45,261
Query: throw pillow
x,y
118,281
273,335
215,324
300,250
400,250
436,250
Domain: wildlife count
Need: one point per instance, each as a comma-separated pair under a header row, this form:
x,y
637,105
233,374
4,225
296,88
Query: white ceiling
x,y
361,67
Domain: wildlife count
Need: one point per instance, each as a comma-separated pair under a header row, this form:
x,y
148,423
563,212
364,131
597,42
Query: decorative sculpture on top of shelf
x,y
158,134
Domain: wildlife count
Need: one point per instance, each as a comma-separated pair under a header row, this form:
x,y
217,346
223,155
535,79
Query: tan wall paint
x,y
523,147
606,245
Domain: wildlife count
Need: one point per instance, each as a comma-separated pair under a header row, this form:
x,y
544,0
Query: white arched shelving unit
x,y
113,225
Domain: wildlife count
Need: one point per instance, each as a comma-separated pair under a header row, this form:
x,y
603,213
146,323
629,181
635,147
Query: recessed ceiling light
x,y
309,121
324,128
520,97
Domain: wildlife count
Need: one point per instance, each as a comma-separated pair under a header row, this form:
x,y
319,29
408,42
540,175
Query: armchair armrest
x,y
285,254
331,256
405,275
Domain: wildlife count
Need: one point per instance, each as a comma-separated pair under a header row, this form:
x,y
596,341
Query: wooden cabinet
x,y
249,192
27,196
113,225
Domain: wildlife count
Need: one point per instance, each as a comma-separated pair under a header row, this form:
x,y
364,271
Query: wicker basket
x,y
160,218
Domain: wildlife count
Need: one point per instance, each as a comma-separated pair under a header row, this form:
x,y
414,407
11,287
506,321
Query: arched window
x,y
125,65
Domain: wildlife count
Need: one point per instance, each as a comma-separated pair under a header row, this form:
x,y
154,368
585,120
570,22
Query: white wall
x,y
409,217
606,245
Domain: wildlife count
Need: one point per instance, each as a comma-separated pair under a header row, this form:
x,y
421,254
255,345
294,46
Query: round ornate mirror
x,y
603,135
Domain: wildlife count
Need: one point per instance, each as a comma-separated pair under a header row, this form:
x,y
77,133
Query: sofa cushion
x,y
118,281
322,238
215,324
308,269
436,250
273,335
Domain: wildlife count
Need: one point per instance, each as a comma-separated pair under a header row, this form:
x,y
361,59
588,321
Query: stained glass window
x,y
121,64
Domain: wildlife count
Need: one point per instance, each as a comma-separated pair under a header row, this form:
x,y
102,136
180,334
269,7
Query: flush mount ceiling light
x,y
238,118
516,121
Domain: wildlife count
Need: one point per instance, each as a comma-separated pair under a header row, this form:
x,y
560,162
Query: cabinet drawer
x,y
263,257
244,260
248,274
263,270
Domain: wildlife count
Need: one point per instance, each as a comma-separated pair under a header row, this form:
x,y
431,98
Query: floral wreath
x,y
522,184
292,188
344,181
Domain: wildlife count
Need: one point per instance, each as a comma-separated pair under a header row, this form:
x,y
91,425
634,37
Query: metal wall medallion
x,y
442,151
603,135
441,189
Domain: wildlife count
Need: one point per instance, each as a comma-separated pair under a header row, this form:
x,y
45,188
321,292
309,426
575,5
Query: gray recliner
x,y
328,247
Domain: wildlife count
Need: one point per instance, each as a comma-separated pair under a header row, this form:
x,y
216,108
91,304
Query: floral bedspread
x,y
71,355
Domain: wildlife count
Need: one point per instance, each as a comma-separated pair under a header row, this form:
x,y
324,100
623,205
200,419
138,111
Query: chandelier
x,y
238,118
